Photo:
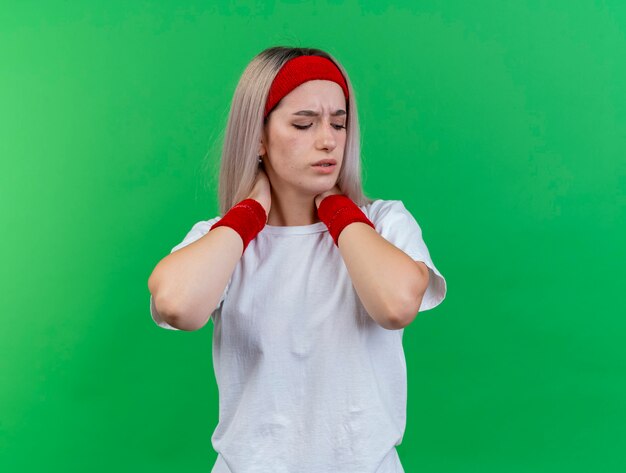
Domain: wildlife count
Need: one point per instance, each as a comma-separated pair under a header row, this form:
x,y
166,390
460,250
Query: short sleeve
x,y
398,226
198,230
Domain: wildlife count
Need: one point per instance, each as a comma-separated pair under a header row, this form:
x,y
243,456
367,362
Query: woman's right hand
x,y
261,190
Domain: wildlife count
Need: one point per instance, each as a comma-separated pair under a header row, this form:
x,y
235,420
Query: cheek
x,y
288,147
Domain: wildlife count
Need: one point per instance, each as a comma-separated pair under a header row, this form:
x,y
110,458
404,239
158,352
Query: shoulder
x,y
197,230
203,226
380,211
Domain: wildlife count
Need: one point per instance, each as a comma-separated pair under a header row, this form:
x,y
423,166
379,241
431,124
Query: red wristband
x,y
337,211
247,218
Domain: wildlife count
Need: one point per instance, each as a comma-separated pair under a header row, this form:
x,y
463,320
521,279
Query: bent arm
x,y
187,284
389,283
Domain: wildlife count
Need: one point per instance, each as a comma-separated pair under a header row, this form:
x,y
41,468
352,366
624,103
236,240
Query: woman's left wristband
x,y
338,211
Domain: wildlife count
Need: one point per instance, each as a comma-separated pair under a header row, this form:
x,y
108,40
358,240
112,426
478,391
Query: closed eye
x,y
304,127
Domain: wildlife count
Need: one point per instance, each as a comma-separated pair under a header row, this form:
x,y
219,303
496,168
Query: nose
x,y
326,137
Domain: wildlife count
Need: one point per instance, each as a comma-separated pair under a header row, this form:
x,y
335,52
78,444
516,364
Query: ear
x,y
262,149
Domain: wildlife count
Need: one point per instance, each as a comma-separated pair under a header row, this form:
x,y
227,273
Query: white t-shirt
x,y
308,382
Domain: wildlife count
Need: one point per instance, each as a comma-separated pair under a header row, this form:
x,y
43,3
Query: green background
x,y
500,125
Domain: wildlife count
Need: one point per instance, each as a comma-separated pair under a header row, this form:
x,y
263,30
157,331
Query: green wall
x,y
500,125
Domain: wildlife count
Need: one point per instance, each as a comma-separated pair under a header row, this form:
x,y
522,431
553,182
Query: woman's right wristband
x,y
247,218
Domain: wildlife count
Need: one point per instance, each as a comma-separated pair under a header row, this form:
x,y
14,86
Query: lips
x,y
326,161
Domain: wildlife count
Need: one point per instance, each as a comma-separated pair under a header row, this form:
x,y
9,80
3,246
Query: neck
x,y
300,211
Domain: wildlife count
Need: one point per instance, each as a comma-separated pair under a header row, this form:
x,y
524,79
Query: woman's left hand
x,y
320,197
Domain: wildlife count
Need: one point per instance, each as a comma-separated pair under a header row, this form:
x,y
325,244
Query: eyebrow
x,y
311,113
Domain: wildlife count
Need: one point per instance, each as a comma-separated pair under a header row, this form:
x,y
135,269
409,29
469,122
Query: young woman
x,y
308,283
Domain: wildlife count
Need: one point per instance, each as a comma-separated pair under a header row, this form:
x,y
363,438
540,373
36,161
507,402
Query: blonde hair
x,y
239,158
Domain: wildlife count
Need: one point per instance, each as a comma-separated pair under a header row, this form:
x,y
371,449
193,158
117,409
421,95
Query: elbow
x,y
408,306
172,309
405,314
169,308
184,316
175,316
162,303
166,310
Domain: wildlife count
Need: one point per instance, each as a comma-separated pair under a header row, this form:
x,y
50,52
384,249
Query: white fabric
x,y
308,381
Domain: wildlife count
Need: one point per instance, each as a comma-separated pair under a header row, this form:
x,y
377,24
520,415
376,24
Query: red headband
x,y
301,69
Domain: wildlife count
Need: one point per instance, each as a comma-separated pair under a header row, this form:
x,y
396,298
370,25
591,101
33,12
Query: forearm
x,y
388,282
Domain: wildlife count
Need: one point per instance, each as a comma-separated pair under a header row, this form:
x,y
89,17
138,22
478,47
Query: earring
x,y
260,160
